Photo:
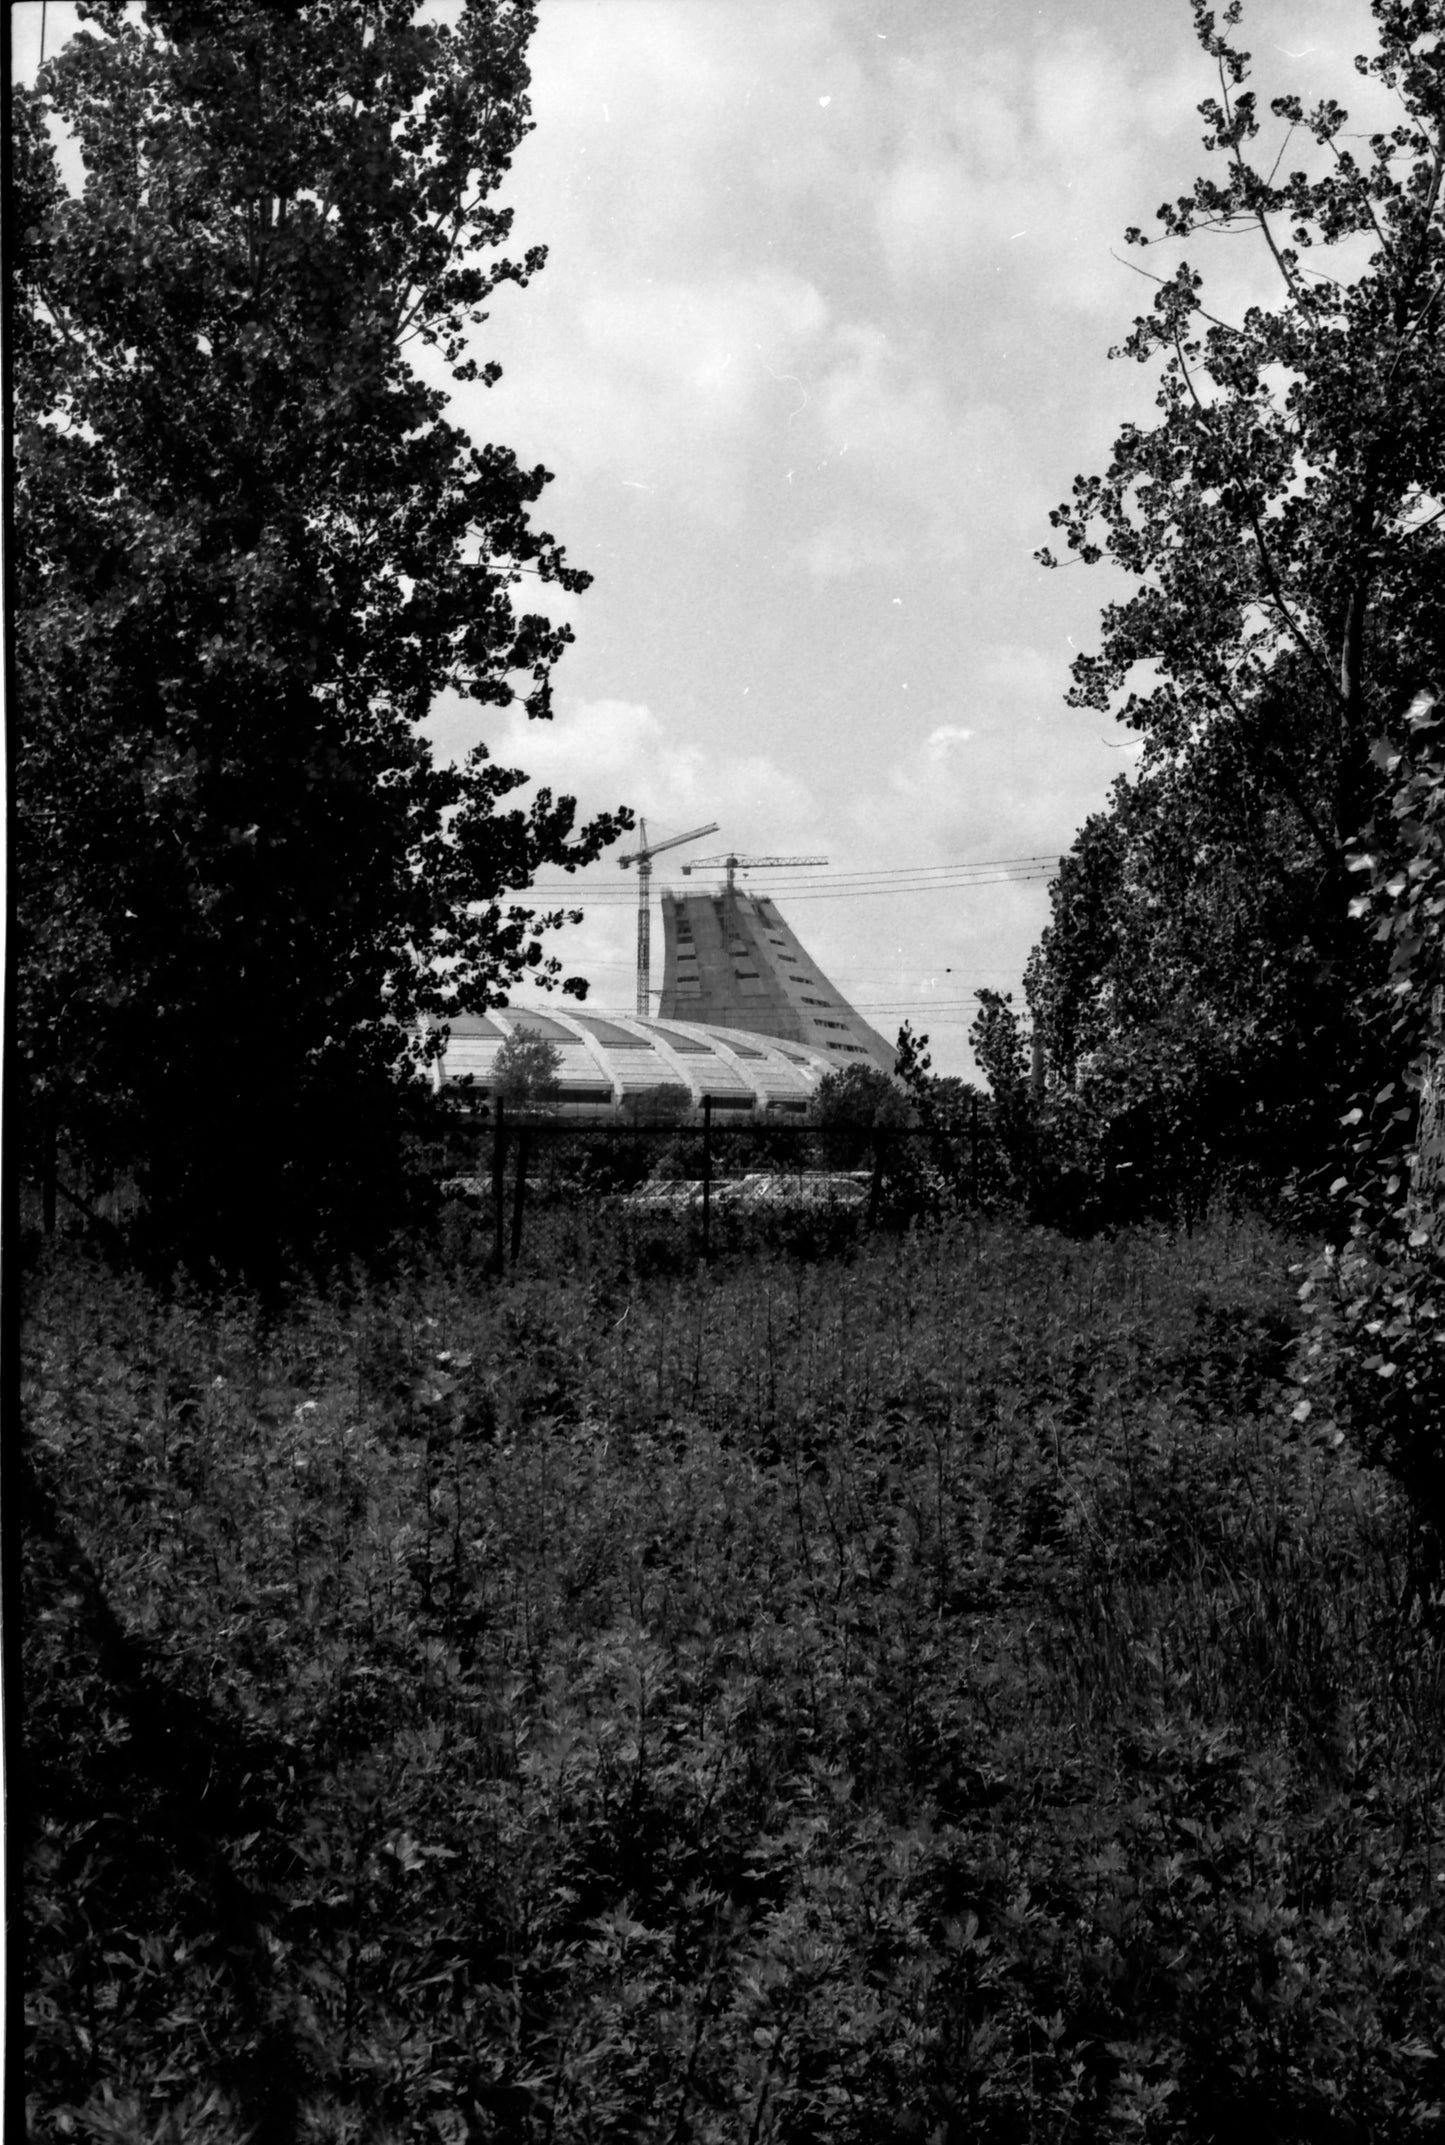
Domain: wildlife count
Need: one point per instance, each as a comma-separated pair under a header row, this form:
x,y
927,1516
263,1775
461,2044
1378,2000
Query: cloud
x,y
1012,164
1012,779
697,363
612,752
708,336
664,384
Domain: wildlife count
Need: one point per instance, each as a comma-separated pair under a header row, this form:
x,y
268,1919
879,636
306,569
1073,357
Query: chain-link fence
x,y
499,1183
712,1181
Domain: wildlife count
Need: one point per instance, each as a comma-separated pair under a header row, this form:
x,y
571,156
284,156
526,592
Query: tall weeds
x,y
935,1692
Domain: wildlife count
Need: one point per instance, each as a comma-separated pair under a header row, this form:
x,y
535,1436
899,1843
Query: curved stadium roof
x,y
607,1057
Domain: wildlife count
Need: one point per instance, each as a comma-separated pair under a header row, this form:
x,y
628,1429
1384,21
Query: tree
x,y
666,1104
852,1106
1004,1059
525,1071
1179,981
956,1118
250,551
1281,524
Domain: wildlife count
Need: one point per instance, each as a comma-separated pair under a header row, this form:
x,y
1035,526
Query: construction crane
x,y
736,864
642,857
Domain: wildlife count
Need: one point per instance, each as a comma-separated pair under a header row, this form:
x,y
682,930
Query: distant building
x,y
730,960
608,1057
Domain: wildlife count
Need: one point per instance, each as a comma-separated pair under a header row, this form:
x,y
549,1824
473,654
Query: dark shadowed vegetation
x,y
252,549
947,1691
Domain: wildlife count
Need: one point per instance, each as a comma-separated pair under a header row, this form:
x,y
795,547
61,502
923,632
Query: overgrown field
x,y
936,1692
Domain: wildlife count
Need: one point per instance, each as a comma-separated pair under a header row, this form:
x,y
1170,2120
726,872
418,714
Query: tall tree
x,y
1281,524
1184,973
251,551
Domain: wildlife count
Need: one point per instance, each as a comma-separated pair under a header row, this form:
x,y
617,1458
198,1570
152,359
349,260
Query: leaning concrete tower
x,y
730,960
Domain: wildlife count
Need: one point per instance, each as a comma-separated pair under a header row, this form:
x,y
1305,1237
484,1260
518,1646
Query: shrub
x,y
937,1693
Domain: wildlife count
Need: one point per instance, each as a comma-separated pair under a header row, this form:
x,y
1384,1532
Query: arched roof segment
x,y
608,1056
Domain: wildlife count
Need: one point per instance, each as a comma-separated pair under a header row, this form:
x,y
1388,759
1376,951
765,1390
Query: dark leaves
x,y
254,551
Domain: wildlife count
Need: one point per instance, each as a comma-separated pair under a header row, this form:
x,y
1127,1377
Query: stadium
x,y
766,1025
606,1059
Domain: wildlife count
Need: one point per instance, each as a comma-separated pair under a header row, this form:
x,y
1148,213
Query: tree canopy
x,y
853,1105
525,1071
251,550
1281,527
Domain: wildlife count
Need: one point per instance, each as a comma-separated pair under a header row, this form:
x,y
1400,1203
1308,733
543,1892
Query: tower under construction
x,y
730,960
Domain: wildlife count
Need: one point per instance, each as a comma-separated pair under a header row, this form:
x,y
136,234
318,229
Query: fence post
x,y
49,1164
519,1192
707,1176
499,1164
876,1184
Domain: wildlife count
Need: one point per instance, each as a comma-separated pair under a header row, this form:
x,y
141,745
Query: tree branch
x,y
1246,173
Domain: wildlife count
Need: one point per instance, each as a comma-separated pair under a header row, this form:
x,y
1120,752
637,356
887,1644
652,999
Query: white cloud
x,y
664,384
1013,779
1034,157
612,752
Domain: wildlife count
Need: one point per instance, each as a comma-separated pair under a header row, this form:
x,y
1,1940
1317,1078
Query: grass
x,y
936,1690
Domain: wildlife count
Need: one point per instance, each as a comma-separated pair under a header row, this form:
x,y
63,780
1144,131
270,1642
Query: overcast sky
x,y
822,337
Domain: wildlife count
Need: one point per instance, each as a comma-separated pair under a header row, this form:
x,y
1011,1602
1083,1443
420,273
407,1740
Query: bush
x,y
940,1693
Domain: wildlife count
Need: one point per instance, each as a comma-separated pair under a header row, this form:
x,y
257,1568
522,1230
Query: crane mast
x,y
642,857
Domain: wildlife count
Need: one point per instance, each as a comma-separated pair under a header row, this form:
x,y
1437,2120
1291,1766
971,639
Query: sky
x,y
822,337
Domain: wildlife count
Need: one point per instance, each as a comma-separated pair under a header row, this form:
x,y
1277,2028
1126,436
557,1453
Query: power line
x,y
905,876
921,871
608,898
947,886
836,974
948,866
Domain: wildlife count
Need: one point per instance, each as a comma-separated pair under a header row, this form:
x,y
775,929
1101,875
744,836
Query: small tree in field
x,y
525,1072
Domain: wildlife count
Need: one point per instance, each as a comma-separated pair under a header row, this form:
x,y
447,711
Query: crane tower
x,y
642,857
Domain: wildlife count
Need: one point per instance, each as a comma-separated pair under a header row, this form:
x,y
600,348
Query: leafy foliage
x,y
525,1072
666,1104
1181,971
1377,1362
251,551
852,1106
1280,524
943,1694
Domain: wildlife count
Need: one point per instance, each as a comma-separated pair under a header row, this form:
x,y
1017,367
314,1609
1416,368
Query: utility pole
x,y
642,857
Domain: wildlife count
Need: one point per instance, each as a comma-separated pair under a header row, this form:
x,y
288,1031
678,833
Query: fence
x,y
695,1177
721,1178
709,1182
